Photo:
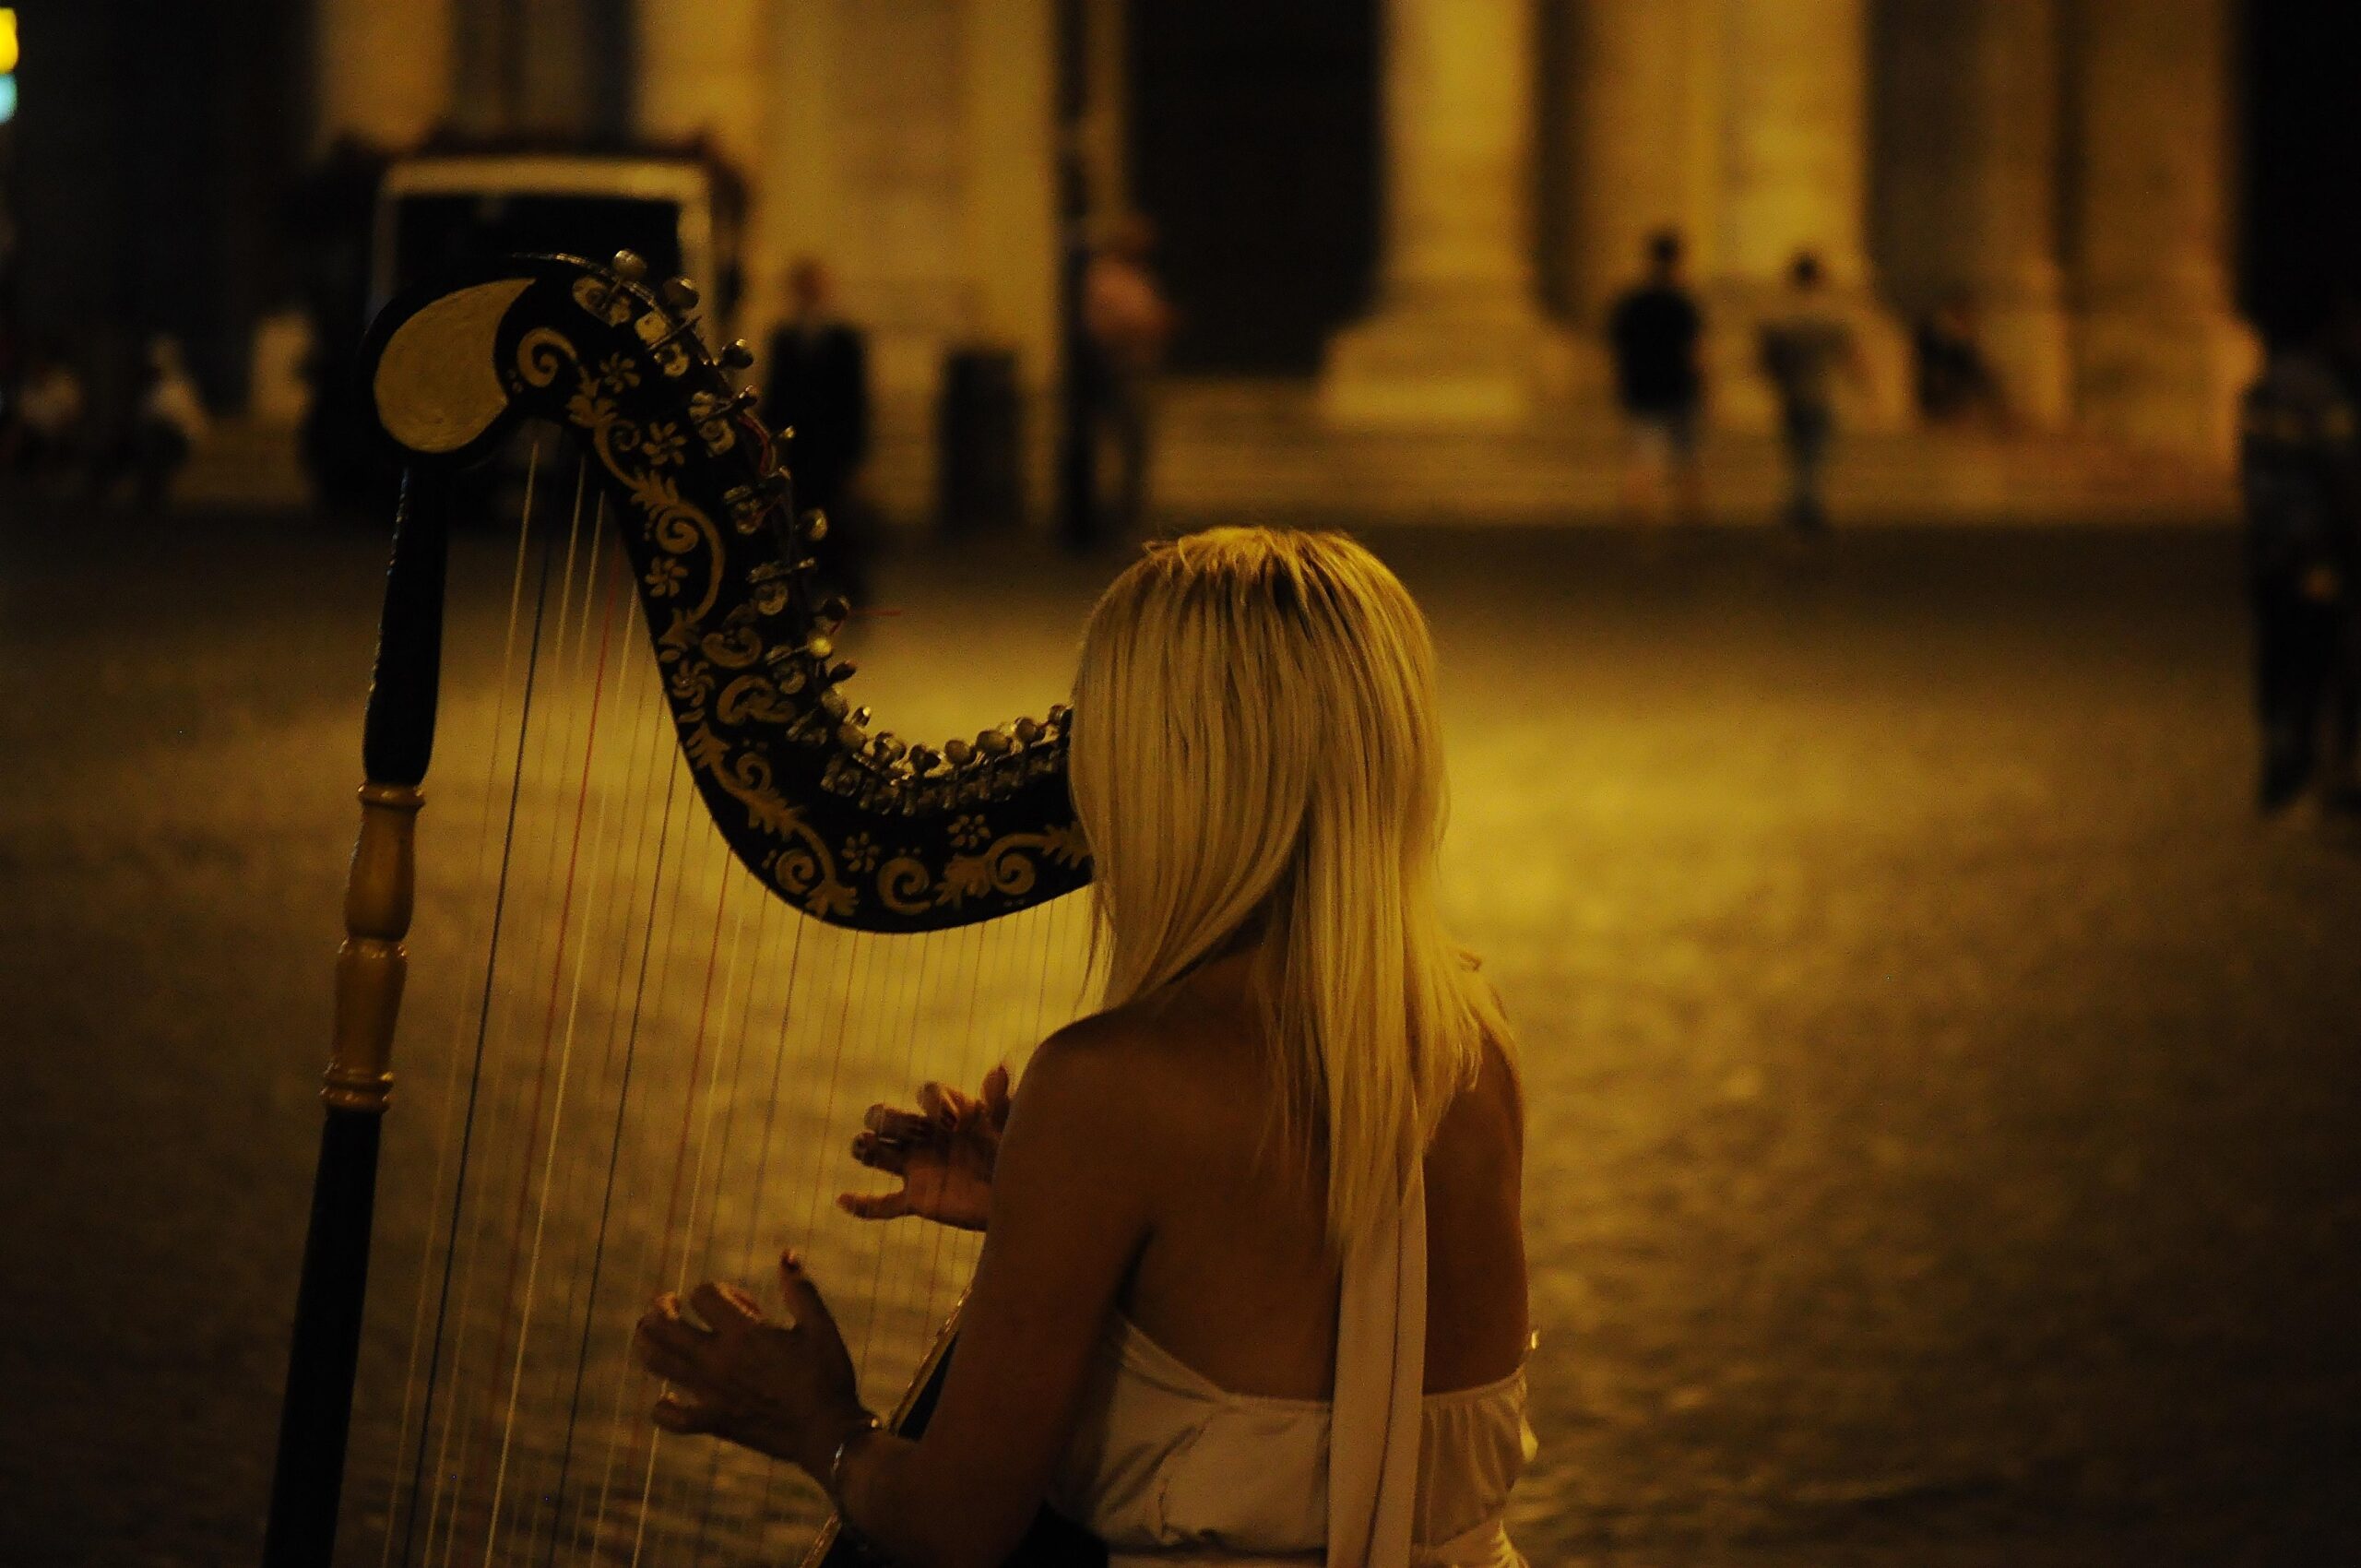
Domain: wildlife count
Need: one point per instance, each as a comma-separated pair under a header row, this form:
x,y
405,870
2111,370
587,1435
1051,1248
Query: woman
x,y
1252,1286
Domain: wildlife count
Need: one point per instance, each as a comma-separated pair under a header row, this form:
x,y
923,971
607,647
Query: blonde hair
x,y
1255,739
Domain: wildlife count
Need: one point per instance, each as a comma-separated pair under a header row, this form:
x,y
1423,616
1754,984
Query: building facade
x,y
2066,164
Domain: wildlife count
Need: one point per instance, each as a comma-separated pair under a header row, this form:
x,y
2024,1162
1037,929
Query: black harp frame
x,y
857,829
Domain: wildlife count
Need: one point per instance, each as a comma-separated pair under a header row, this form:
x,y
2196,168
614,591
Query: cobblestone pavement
x,y
1942,1088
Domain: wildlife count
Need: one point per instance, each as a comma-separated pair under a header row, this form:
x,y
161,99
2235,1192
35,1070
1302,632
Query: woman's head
x,y
1255,741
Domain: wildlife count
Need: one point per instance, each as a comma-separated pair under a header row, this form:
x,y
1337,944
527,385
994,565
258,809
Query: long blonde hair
x,y
1255,741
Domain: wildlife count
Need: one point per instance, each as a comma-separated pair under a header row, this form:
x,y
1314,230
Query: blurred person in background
x,y
43,436
168,421
2299,466
1955,384
1803,349
816,384
1127,324
1653,335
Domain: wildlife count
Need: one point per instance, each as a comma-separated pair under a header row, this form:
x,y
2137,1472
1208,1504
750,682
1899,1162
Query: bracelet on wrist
x,y
867,1424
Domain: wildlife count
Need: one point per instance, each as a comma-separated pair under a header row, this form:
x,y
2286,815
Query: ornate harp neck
x,y
852,827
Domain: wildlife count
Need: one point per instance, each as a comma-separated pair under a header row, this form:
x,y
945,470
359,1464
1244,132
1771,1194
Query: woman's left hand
x,y
786,1389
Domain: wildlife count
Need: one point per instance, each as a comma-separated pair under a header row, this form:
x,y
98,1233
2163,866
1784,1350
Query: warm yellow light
x,y
7,40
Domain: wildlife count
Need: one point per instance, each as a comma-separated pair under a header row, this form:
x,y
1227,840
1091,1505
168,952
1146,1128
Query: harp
x,y
717,916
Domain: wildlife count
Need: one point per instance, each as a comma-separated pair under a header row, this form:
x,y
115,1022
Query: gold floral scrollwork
x,y
905,886
1008,866
753,697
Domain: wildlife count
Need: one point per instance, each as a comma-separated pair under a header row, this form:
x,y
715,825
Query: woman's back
x,y
1236,1278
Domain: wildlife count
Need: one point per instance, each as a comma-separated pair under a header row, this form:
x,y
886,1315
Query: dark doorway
x,y
1253,147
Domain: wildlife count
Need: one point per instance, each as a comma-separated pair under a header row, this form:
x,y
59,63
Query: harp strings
x,y
650,1074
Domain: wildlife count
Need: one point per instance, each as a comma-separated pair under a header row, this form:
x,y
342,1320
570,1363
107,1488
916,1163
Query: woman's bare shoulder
x,y
1137,1076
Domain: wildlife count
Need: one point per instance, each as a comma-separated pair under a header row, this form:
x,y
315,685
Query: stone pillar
x,y
1794,172
1643,85
1011,185
384,69
703,75
1457,337
1969,144
2160,354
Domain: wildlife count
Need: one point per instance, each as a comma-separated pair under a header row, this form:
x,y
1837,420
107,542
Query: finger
x,y
876,1205
996,1099
722,1310
879,1154
934,1102
803,1302
663,1323
664,1361
674,1413
901,1126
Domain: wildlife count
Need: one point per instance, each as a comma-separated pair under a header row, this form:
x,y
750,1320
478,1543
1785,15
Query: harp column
x,y
1794,85
384,69
2159,354
1457,338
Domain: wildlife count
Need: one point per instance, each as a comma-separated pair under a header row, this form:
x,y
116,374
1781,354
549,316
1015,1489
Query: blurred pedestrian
x,y
1653,334
2299,462
1955,384
1804,349
44,434
1127,324
816,384
168,422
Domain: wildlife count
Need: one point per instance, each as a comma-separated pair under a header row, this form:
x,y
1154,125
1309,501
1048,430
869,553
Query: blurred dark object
x,y
2300,473
818,387
328,222
1126,326
980,473
1955,384
1653,333
167,419
44,428
1802,349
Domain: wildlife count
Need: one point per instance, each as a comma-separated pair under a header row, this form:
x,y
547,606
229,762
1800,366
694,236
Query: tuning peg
x,y
816,524
1027,731
925,758
819,645
841,670
958,753
833,612
1061,714
860,716
736,355
679,295
888,747
991,743
629,267
746,400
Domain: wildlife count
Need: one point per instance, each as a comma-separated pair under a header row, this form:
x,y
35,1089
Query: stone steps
x,y
1260,447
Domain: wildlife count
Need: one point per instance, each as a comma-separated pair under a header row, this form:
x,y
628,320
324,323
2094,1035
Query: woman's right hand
x,y
943,1152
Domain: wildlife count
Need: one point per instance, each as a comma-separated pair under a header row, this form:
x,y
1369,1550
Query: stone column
x,y
1457,337
2159,353
703,73
1970,146
1794,171
384,69
1643,84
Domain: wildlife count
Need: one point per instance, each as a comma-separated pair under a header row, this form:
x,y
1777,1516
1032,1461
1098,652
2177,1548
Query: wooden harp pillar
x,y
397,742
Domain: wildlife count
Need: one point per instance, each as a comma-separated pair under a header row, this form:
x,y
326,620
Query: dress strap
x,y
1380,1370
